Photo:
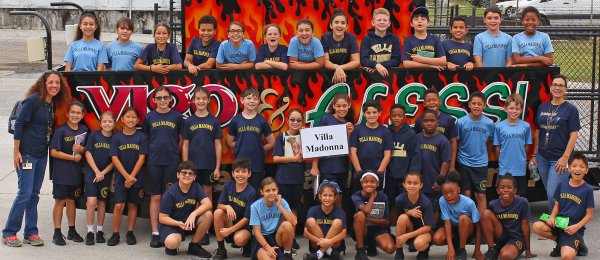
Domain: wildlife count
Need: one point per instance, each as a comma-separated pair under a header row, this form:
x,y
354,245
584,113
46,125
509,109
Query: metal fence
x,y
576,52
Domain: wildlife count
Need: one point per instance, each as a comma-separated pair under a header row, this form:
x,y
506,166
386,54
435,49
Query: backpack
x,y
13,116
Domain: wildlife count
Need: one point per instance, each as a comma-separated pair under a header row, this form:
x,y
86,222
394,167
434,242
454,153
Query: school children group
x,y
419,180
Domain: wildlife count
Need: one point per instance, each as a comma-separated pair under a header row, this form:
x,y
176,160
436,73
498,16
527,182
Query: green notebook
x,y
561,222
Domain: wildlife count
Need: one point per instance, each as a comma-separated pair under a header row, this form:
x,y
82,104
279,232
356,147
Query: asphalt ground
x,y
16,75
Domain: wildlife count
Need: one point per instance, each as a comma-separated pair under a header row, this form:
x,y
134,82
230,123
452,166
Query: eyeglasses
x,y
295,120
236,31
187,173
558,85
162,98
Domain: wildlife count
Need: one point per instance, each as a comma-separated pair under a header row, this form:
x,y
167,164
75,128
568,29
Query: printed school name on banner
x,y
310,92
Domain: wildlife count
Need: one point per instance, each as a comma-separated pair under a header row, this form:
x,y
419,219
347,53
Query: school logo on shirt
x,y
381,47
237,201
102,145
165,61
129,146
441,129
398,150
571,197
374,139
321,221
69,138
249,129
163,123
507,216
201,53
276,59
181,204
428,147
201,126
338,50
459,51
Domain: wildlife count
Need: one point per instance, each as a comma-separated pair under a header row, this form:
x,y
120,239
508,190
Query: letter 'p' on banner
x,y
324,141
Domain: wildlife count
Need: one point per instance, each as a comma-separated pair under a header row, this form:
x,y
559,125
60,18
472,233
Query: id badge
x,y
27,166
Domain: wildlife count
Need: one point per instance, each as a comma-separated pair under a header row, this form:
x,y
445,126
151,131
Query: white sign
x,y
324,141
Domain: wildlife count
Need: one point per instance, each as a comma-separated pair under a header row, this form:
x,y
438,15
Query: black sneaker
x,y
582,250
205,240
74,236
220,253
197,250
361,254
422,255
399,254
492,253
461,254
89,239
170,251
130,238
310,256
155,241
100,237
335,255
287,256
246,250
556,251
58,239
114,240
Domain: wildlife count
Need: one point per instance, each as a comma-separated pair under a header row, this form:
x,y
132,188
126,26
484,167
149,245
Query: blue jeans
x,y
30,183
550,178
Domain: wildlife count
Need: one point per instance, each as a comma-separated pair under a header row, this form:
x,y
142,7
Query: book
x,y
79,139
378,210
561,222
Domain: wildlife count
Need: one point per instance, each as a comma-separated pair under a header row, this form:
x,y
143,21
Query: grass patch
x,y
575,58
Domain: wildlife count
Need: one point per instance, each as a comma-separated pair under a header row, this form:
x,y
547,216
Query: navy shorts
x,y
564,239
338,180
393,188
133,195
165,230
271,241
204,177
97,190
374,231
472,178
160,178
292,193
519,243
63,192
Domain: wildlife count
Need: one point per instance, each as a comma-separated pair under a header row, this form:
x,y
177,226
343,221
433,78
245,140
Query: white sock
x,y
287,252
154,233
393,230
328,251
319,254
99,228
90,228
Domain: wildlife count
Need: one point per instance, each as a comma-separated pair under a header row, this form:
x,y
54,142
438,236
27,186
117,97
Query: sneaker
x,y
220,253
89,239
361,254
246,250
310,256
287,256
197,250
461,254
58,239
155,241
13,241
170,251
582,250
114,240
130,238
556,251
205,240
34,240
422,255
294,251
100,237
74,236
492,253
336,255
399,254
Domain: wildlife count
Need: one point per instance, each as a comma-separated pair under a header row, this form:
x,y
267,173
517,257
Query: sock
x,y
328,251
319,254
90,228
72,229
99,228
221,243
155,233
57,231
287,252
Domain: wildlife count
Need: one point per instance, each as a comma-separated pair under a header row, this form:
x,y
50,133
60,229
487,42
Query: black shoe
x,y
58,239
335,255
89,239
155,241
399,254
197,250
411,246
556,251
287,256
310,256
74,236
246,250
461,254
422,255
492,253
582,250
170,251
205,240
361,254
114,240
372,249
295,244
130,238
100,237
220,253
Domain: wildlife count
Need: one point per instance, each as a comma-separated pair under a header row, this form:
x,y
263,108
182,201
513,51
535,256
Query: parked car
x,y
555,12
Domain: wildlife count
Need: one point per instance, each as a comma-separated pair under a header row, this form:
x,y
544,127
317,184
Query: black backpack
x,y
13,116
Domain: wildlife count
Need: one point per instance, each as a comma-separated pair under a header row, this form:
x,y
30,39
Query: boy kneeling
x,y
185,210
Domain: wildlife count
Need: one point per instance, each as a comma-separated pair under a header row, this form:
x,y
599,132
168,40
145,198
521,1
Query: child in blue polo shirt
x,y
236,53
203,49
305,51
123,53
87,53
492,48
532,48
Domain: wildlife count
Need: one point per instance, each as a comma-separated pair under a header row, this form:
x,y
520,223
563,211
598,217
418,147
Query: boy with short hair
x,y
245,134
422,49
512,138
202,52
492,48
233,211
532,48
380,48
573,199
370,144
459,53
185,210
